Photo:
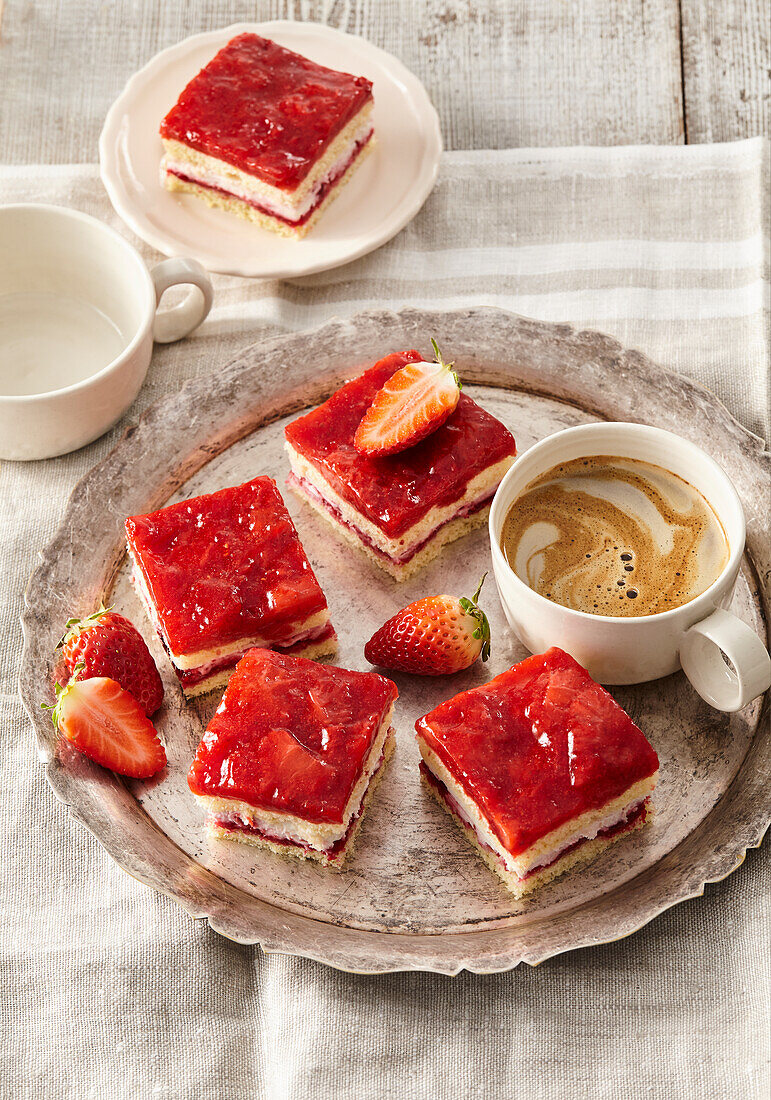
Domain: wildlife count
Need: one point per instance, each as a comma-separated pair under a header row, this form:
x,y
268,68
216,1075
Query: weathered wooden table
x,y
121,987
500,72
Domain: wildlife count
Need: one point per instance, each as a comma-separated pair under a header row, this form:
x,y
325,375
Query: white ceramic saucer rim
x,y
127,211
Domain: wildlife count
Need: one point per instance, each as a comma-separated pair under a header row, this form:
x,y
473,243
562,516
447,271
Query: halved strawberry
x,y
106,644
108,726
414,402
433,637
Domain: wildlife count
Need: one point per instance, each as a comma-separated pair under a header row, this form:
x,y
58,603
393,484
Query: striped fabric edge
x,y
653,159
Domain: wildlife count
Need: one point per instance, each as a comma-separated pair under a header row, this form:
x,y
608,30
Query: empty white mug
x,y
633,650
78,317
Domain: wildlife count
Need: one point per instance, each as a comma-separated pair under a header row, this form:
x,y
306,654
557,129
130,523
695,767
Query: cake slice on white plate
x,y
267,134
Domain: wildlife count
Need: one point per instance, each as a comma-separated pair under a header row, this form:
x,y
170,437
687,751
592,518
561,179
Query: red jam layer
x,y
266,110
189,677
633,818
225,566
323,191
537,746
396,491
312,492
291,735
333,853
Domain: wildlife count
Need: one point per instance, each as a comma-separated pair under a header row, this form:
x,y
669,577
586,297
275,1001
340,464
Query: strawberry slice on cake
x,y
399,508
413,403
292,756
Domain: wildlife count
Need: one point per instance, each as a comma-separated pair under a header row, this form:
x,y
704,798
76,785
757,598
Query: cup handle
x,y
181,319
701,655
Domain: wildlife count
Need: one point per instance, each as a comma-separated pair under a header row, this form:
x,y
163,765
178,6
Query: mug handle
x,y
181,319
701,655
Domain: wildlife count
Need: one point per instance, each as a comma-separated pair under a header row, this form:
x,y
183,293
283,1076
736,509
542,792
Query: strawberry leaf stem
x,y
73,626
482,630
54,707
441,362
475,597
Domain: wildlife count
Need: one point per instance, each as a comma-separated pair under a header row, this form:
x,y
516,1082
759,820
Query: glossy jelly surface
x,y
225,566
396,491
537,746
291,735
266,110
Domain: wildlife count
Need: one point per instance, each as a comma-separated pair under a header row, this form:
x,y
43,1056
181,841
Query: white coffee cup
x,y
633,650
78,317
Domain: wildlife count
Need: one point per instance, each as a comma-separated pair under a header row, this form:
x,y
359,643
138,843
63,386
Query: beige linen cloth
x,y
110,991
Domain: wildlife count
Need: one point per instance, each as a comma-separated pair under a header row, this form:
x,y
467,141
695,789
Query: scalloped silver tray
x,y
414,895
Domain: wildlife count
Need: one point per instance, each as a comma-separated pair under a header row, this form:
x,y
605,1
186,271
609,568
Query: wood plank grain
x,y
726,69
501,74
530,73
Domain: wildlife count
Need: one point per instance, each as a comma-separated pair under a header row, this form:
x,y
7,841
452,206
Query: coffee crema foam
x,y
614,536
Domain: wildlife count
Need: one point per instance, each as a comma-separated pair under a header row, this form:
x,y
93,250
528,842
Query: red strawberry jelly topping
x,y
265,109
225,566
291,735
537,746
396,491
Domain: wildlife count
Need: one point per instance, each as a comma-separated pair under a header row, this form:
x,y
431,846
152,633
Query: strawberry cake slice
x,y
540,768
265,133
400,509
221,573
292,756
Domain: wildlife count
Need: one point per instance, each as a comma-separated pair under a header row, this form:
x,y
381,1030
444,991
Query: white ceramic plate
x,y
383,195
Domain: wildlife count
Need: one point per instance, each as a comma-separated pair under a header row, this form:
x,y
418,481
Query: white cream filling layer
x,y
311,650
290,205
285,826
478,489
549,847
309,635
186,661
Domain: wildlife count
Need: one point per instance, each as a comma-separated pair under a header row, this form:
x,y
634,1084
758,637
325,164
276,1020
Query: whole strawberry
x,y
106,644
433,637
